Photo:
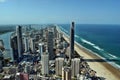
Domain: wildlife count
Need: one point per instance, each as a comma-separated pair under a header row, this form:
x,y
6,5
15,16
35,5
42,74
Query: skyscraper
x,y
40,49
19,40
26,44
66,73
45,63
32,44
50,44
1,43
1,60
71,41
14,46
75,65
59,62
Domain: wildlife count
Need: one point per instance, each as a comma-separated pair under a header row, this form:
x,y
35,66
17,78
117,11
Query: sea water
x,y
103,40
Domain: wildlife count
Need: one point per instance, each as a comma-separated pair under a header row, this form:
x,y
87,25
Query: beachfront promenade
x,y
103,69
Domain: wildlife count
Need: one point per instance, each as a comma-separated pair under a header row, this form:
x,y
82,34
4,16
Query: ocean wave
x,y
92,44
98,48
77,36
88,42
113,56
64,30
114,65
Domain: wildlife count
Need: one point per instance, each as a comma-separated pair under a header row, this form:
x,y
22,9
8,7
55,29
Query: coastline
x,y
102,67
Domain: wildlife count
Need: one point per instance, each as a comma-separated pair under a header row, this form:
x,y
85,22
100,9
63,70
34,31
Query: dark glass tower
x,y
50,45
1,60
19,40
14,46
71,40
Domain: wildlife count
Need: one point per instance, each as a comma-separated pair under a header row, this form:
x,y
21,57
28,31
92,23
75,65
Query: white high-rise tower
x,y
45,63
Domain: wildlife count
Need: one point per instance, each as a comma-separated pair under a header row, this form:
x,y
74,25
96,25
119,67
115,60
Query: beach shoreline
x,y
103,68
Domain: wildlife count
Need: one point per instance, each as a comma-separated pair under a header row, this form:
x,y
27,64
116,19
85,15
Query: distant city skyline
x,y
59,11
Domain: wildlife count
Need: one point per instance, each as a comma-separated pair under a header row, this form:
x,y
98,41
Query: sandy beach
x,y
103,69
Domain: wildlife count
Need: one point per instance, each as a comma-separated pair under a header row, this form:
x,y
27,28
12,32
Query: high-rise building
x,y
1,60
19,40
55,31
41,47
50,44
26,44
1,43
71,41
66,73
59,62
65,44
14,46
45,63
75,65
32,45
60,35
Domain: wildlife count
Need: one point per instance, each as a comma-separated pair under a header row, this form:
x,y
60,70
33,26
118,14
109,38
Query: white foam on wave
x,y
92,44
113,56
77,36
88,42
97,47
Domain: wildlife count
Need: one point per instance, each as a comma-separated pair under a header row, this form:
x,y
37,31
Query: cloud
x,y
2,1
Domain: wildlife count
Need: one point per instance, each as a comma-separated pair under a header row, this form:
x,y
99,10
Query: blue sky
x,y
59,11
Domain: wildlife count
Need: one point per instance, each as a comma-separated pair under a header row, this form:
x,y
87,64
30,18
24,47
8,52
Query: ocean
x,y
101,39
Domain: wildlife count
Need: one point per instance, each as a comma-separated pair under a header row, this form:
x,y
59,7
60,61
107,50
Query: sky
x,y
59,11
